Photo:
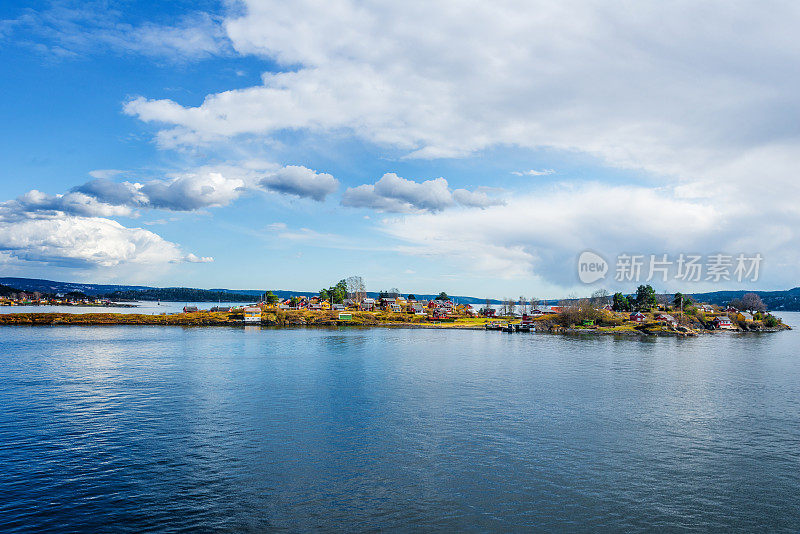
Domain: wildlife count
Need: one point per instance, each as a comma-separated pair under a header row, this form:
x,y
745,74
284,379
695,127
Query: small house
x,y
723,323
190,309
368,304
338,307
252,314
638,317
667,319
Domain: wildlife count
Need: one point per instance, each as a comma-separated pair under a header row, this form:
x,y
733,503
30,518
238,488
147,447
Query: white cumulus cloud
x,y
73,230
209,187
36,204
301,182
395,194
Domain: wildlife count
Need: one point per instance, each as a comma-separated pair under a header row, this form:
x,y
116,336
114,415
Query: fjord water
x,y
177,429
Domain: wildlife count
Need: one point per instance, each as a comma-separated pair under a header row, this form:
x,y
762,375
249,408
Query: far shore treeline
x,y
121,293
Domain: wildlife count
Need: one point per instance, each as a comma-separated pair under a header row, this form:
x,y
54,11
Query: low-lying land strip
x,y
604,323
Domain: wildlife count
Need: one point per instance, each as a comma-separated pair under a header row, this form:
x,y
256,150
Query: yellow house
x,y
325,305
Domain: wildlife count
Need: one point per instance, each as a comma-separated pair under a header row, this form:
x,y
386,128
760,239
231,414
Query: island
x,y
641,314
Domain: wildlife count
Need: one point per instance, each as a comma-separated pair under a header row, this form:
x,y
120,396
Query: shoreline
x,y
219,319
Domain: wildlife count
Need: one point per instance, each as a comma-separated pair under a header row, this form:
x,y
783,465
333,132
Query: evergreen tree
x,y
645,298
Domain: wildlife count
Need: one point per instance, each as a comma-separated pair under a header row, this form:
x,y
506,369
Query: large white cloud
x,y
74,230
540,235
634,85
74,241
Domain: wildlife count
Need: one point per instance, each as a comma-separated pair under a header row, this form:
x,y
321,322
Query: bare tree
x,y
508,307
356,290
599,298
663,299
752,302
523,304
534,303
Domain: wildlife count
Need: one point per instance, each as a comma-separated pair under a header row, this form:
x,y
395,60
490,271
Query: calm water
x,y
178,429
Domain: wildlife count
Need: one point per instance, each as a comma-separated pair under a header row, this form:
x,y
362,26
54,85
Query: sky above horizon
x,y
476,148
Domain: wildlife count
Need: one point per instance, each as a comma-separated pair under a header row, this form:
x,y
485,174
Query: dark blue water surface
x,y
232,429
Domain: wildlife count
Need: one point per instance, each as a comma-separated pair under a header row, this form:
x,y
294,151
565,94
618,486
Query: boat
x,y
508,328
493,326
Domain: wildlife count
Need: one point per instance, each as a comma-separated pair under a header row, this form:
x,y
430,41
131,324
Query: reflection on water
x,y
154,428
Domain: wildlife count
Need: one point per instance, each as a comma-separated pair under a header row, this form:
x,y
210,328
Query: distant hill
x,y
175,294
49,286
7,290
182,294
788,300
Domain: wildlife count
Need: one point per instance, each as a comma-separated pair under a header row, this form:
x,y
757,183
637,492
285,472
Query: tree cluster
x,y
336,294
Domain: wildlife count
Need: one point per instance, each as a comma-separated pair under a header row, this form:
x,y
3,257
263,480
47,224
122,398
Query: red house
x,y
723,323
638,317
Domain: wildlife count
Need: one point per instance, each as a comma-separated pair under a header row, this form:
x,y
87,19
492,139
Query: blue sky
x,y
259,144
